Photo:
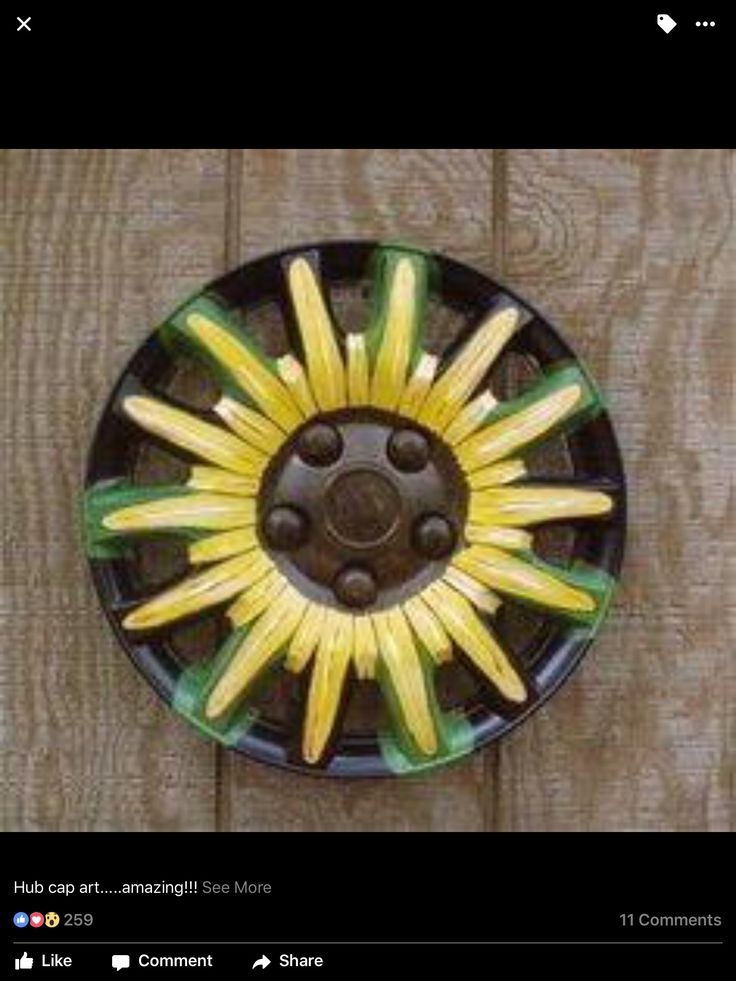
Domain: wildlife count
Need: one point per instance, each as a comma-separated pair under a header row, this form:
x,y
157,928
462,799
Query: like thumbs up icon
x,y
23,963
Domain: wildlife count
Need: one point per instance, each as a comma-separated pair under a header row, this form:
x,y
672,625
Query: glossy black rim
x,y
593,452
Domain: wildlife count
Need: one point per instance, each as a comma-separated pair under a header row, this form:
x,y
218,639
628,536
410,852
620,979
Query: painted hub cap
x,y
362,511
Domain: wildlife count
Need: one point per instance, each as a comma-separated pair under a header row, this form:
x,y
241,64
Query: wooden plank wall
x,y
632,252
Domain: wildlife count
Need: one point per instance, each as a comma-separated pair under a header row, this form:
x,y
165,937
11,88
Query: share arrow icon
x,y
261,962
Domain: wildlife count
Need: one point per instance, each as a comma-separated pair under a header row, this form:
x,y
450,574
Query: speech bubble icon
x,y
119,961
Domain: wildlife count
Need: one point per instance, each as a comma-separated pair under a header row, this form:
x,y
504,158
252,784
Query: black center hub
x,y
361,509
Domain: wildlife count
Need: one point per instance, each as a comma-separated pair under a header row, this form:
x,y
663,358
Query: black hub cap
x,y
359,509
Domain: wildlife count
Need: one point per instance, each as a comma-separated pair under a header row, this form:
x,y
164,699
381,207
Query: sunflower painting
x,y
359,508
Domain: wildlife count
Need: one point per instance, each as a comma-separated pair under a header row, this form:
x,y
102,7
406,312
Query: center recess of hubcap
x,y
361,508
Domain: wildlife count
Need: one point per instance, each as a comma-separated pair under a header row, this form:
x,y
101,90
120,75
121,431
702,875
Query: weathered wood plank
x,y
634,254
435,198
97,246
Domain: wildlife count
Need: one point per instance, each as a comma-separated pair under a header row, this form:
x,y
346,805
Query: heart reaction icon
x,y
37,919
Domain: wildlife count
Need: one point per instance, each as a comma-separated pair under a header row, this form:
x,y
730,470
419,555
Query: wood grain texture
x,y
634,255
97,246
435,198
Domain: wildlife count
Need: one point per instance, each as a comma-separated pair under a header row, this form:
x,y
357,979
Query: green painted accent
x,y
397,245
398,748
597,582
458,741
586,630
175,334
592,385
384,263
103,499
562,375
601,585
193,689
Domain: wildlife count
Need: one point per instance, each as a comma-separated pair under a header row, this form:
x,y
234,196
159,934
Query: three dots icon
x,y
705,23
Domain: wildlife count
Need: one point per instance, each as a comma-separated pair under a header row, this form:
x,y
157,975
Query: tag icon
x,y
666,22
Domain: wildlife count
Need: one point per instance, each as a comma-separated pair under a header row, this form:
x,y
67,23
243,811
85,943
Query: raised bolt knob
x,y
355,587
320,445
285,528
434,536
408,450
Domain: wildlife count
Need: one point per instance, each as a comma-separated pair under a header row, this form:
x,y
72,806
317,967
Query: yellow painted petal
x,y
471,635
324,362
201,438
358,390
223,482
511,574
252,376
469,418
365,647
207,511
401,661
250,425
499,473
270,633
326,684
418,386
428,629
532,505
222,546
512,433
295,378
512,539
456,384
473,590
215,585
257,598
394,353
306,637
